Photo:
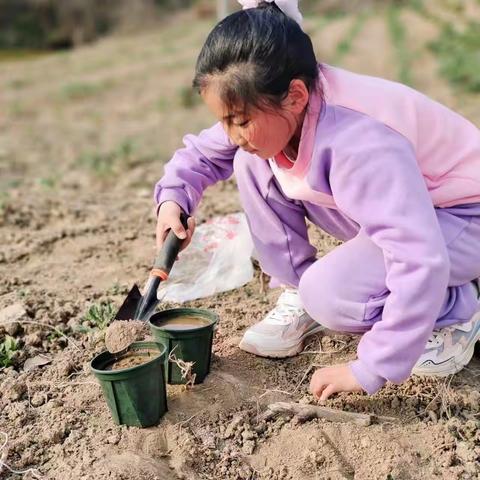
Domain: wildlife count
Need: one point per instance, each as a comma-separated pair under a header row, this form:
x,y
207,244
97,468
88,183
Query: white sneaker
x,y
449,349
282,332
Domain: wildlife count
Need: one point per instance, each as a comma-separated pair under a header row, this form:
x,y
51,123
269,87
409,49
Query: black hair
x,y
255,54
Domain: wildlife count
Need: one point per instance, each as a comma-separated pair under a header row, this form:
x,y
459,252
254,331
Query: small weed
x,y
80,91
189,97
7,351
54,335
459,56
397,33
4,202
98,317
117,289
163,104
47,182
18,83
345,45
104,164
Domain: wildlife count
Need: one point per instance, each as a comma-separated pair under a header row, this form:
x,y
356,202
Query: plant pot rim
x,y
209,315
134,346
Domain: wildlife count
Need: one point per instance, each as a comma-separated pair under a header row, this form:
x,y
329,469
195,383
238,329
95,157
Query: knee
x,y
320,297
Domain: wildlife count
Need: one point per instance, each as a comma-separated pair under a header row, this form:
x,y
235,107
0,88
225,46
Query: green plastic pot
x,y
192,345
136,396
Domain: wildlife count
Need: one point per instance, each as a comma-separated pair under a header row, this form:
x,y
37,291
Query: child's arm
x,y
378,184
205,159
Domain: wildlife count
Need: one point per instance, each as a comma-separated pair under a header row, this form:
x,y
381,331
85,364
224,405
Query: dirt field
x,y
83,138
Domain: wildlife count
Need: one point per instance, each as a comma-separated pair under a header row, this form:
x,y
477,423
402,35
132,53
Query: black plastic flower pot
x,y
187,344
135,395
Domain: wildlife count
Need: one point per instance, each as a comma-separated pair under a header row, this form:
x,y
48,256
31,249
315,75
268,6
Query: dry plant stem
x,y
185,368
307,371
263,284
33,471
267,392
28,322
308,412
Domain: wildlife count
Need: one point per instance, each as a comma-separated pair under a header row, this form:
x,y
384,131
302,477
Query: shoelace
x,y
284,311
439,335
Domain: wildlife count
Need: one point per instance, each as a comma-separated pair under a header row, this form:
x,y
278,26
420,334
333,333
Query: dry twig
x,y
308,412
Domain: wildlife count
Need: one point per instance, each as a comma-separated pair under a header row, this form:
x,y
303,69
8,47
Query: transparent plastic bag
x,y
218,259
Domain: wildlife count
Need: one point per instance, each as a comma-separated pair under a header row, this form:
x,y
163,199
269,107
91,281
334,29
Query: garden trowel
x,y
140,307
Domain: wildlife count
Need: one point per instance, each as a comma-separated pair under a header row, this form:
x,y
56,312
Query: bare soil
x,y
84,137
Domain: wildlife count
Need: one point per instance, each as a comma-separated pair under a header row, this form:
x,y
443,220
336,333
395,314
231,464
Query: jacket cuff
x,y
369,381
173,195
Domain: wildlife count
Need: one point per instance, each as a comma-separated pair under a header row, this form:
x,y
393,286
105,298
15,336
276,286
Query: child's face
x,y
263,133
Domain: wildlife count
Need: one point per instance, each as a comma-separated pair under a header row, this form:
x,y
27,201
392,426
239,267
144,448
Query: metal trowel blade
x,y
130,304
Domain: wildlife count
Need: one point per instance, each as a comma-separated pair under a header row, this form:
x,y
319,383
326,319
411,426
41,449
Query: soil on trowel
x,y
121,334
133,359
187,322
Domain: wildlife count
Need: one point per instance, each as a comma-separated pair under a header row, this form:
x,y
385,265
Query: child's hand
x,y
169,218
329,380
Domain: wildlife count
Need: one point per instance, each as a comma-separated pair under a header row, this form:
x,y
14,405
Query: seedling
x,y
99,316
7,351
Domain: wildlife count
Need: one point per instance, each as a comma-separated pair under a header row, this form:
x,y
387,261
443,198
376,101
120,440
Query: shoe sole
x,y
450,366
289,351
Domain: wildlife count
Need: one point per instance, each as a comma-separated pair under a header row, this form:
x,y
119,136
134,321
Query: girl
x,y
372,162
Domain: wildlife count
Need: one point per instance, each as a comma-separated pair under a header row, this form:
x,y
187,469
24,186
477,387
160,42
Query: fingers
x,y
189,233
163,227
317,384
327,391
322,386
178,230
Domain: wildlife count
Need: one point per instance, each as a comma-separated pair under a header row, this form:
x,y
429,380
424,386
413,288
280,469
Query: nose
x,y
237,138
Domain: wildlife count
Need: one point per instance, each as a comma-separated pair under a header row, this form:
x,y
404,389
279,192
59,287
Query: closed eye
x,y
243,124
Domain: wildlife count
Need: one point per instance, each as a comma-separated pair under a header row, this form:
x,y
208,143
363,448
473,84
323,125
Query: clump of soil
x,y
121,334
133,359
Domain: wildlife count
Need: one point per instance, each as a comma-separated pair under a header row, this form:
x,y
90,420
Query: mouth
x,y
250,150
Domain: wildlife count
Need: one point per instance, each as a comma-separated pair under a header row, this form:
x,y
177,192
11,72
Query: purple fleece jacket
x,y
372,172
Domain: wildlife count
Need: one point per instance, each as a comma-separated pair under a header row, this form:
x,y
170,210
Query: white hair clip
x,y
288,7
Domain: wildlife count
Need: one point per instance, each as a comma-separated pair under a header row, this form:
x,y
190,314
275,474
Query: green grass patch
x,y
7,351
459,56
83,90
103,164
397,34
20,54
345,45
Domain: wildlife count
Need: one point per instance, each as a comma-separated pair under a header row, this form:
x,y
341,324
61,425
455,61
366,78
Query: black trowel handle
x,y
169,251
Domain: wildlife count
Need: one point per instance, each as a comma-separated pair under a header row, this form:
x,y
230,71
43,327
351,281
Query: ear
x,y
298,96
